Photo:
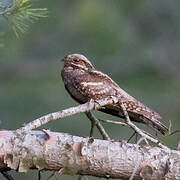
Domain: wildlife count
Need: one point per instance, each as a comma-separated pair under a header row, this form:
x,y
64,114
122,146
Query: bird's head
x,y
77,61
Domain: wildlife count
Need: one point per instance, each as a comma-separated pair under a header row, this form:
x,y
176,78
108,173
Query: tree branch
x,y
85,108
139,131
95,122
73,155
69,112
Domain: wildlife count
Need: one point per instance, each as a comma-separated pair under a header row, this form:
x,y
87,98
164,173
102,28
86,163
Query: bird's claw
x,y
94,103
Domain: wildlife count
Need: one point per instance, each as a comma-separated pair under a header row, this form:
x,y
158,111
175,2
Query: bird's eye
x,y
76,60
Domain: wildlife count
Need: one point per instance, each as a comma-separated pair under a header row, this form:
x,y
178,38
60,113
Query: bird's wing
x,y
130,103
139,108
140,113
95,85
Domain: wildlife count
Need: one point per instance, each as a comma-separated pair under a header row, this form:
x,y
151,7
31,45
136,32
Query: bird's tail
x,y
142,113
155,124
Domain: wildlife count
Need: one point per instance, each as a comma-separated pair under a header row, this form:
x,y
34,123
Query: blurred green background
x,y
137,43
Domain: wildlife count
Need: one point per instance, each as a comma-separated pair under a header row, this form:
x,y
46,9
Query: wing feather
x,y
97,85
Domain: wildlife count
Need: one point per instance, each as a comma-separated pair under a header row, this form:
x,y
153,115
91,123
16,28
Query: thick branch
x,y
76,155
86,109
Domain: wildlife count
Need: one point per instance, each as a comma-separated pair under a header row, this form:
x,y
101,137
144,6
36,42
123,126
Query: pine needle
x,y
21,14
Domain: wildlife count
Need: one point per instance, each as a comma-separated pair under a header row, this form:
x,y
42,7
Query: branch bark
x,y
99,104
72,155
69,112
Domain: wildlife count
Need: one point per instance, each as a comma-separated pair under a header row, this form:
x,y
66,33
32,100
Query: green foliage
x,y
20,15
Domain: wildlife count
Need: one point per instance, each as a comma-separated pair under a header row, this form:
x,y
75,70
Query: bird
x,y
84,83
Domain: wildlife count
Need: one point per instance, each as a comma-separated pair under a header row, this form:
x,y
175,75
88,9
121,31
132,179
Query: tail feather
x,y
155,124
145,116
142,113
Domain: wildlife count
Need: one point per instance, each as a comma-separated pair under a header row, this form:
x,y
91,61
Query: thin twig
x,y
51,175
118,123
131,136
123,124
169,129
68,112
39,175
139,131
93,124
174,132
95,121
113,122
170,126
85,108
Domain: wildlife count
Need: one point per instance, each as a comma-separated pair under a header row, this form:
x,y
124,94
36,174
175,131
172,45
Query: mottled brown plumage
x,y
84,82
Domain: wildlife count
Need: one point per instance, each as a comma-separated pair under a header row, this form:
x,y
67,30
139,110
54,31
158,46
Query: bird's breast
x,y
70,78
